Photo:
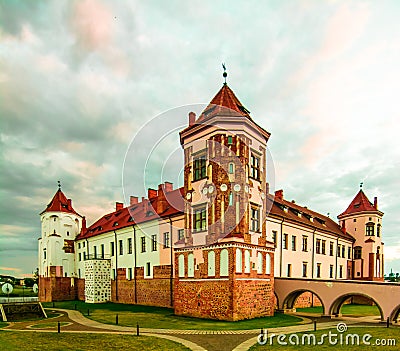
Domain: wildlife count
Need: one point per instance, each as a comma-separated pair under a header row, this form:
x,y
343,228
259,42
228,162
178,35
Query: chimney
x,y
151,193
168,186
119,206
279,194
376,202
69,201
83,229
162,202
344,226
192,118
133,200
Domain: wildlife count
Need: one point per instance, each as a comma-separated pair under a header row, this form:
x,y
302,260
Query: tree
x,y
29,282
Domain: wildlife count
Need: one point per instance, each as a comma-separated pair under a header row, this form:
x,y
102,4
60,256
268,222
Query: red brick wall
x,y
80,283
307,299
56,289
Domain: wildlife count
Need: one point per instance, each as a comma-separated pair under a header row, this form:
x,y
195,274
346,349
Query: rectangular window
x,y
274,237
340,271
293,243
254,167
338,250
79,245
318,270
304,269
95,251
166,240
285,241
331,271
289,270
111,248
304,247
357,252
129,245
148,269
154,242
199,168
80,256
255,219
331,248
102,250
84,256
181,234
349,252
121,247
129,273
323,244
343,251
199,219
230,140
318,246
113,274
143,243
370,230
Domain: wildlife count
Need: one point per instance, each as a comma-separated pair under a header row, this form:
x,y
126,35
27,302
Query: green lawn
x,y
164,318
16,341
376,333
18,291
356,310
3,324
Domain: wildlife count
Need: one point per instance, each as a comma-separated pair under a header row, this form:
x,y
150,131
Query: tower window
x,y
255,219
369,229
357,252
254,167
199,220
378,230
181,234
199,168
231,168
230,199
230,140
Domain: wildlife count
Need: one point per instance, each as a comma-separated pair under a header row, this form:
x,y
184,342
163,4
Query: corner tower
x,y
363,221
224,268
60,224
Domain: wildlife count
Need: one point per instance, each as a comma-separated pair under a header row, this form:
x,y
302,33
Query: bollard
x,y
53,303
262,335
387,322
137,329
315,325
116,319
58,327
88,312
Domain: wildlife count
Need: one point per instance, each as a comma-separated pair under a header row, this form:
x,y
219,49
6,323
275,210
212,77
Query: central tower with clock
x,y
224,267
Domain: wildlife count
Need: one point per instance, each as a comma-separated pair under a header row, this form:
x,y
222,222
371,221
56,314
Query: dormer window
x,y
115,224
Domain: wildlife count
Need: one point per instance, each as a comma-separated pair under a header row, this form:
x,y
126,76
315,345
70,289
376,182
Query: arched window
x,y
224,263
190,265
247,261
369,229
211,263
231,168
357,252
238,261
181,265
267,264
259,263
230,199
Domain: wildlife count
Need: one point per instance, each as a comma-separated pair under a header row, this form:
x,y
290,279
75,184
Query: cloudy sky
x,y
78,80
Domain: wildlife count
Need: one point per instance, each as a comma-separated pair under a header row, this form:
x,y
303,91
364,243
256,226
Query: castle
x,y
212,248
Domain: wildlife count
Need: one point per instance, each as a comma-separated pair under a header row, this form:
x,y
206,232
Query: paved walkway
x,y
198,340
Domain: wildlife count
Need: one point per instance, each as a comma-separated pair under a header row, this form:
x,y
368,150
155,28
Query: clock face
x,y
188,196
210,189
224,187
205,191
246,188
237,187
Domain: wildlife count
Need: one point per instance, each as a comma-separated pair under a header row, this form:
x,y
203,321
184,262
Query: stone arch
x,y
339,301
395,315
190,265
211,263
224,263
290,300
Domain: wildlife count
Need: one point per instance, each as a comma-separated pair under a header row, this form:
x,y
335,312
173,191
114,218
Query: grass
x,y
164,318
18,291
49,325
16,341
348,310
3,324
376,333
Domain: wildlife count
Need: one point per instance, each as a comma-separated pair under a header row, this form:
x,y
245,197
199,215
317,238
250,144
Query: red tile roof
x,y
60,203
320,222
359,204
144,211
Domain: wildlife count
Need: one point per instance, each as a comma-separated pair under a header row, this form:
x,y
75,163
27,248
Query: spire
x,y
60,203
224,74
360,203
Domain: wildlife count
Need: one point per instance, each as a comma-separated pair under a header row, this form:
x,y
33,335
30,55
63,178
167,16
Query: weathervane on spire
x,y
361,185
224,74
59,184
